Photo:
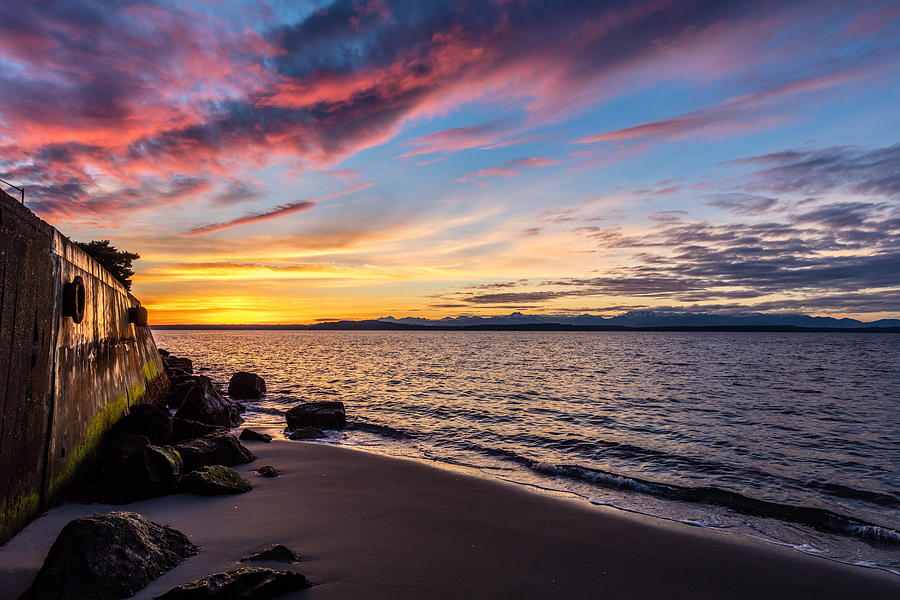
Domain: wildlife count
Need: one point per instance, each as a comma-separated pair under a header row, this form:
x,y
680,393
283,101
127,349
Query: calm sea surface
x,y
792,438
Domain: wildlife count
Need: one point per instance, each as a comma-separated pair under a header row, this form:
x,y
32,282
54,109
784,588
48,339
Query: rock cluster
x,y
148,453
114,555
216,449
132,468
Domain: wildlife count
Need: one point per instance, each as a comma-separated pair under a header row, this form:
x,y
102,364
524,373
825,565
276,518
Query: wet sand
x,y
369,526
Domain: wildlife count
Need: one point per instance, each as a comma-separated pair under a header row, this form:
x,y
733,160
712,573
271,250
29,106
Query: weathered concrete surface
x,y
62,384
27,298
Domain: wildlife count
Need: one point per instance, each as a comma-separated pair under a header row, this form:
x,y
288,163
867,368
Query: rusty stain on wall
x,y
62,384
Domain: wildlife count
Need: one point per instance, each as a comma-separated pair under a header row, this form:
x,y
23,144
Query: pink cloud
x,y
534,161
486,173
422,163
347,176
458,138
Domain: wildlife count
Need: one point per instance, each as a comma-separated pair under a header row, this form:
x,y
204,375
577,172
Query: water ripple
x,y
782,434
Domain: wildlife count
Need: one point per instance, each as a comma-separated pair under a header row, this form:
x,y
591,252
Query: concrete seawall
x,y
62,382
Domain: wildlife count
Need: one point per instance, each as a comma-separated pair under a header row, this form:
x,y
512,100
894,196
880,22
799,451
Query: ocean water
x,y
792,438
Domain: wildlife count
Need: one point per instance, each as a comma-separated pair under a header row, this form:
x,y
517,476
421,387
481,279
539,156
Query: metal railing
x,y
21,190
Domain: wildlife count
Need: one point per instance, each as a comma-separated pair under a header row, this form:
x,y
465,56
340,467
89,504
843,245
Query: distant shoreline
x,y
387,326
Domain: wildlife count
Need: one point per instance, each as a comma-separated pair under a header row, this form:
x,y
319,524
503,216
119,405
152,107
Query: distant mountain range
x,y
649,318
642,319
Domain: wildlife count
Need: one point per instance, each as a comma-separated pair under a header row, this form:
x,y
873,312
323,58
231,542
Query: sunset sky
x,y
282,162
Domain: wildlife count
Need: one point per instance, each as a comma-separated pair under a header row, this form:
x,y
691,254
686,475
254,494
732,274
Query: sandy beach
x,y
369,526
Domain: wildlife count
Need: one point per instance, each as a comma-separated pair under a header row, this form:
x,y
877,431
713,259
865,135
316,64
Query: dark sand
x,y
369,526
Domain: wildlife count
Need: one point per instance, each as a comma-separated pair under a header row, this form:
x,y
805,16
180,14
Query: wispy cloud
x,y
509,169
857,170
459,138
743,204
482,174
763,108
532,161
277,212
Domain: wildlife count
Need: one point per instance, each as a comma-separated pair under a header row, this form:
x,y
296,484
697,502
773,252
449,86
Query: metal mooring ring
x,y
73,299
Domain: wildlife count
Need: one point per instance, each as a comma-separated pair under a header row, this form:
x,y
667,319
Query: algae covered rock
x,y
276,553
214,480
250,435
248,583
246,386
106,557
222,449
325,415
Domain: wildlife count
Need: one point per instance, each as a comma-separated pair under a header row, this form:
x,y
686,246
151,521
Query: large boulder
x,y
251,435
213,450
246,583
325,415
185,429
246,386
106,557
213,480
204,404
148,420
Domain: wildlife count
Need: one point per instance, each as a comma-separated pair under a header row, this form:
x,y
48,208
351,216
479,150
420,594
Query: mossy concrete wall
x,y
62,384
